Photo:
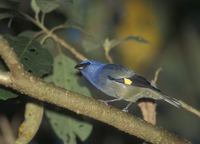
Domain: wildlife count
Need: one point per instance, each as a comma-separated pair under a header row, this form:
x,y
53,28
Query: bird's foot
x,y
125,110
103,101
127,107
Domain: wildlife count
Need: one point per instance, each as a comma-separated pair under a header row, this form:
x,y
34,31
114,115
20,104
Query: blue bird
x,y
121,83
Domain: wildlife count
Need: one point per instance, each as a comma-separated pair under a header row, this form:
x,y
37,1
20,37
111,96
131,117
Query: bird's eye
x,y
87,63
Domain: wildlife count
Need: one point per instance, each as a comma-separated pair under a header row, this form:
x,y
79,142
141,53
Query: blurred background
x,y
172,29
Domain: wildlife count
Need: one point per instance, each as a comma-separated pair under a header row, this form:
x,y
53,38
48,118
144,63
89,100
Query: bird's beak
x,y
80,66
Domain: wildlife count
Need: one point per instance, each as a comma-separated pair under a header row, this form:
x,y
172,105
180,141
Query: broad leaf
x,y
64,75
66,128
29,34
32,55
6,94
7,4
3,66
74,9
5,15
47,6
35,7
137,39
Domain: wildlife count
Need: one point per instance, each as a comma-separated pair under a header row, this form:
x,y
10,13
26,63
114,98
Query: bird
x,y
121,83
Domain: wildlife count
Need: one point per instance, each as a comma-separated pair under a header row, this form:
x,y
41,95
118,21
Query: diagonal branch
x,y
26,83
6,130
9,57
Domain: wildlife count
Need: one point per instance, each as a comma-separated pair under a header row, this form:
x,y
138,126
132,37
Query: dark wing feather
x,y
140,81
137,80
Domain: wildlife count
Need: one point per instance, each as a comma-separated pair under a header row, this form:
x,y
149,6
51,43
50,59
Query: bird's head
x,y
89,67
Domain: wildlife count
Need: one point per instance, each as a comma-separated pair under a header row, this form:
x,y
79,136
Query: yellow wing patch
x,y
127,81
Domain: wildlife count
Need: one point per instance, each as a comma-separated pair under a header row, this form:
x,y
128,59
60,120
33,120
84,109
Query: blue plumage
x,y
120,82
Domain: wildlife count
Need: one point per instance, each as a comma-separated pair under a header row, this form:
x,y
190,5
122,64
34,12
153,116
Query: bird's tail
x,y
172,101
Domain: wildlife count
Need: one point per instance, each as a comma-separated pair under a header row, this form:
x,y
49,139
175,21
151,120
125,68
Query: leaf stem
x,y
61,41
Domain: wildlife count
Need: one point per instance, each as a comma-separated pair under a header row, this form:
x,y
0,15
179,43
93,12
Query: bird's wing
x,y
127,78
116,71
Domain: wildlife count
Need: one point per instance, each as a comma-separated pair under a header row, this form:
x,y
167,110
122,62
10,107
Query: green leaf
x,y
7,4
67,128
29,34
64,75
35,7
32,55
5,15
74,10
49,44
3,66
47,6
137,39
6,94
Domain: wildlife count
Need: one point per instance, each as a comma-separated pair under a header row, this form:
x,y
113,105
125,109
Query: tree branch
x,y
26,83
5,78
10,58
6,130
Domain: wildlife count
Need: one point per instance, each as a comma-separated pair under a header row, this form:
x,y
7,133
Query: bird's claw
x,y
125,110
103,101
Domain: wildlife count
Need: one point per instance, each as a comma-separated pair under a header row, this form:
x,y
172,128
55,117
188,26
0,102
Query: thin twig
x,y
189,108
58,27
107,47
43,18
183,104
44,39
50,32
38,34
61,41
154,81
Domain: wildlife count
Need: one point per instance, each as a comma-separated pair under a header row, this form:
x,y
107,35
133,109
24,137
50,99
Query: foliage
x,y
8,9
67,128
37,53
64,75
45,6
32,55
